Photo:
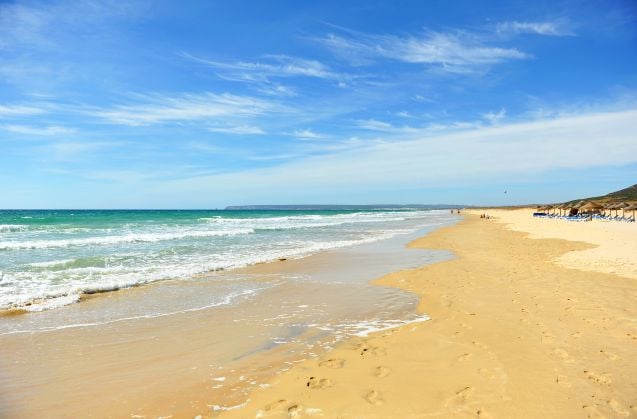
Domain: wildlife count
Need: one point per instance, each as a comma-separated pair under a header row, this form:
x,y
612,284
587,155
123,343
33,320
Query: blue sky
x,y
203,104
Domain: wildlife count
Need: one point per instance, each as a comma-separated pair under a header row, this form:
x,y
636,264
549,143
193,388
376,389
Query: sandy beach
x,y
534,318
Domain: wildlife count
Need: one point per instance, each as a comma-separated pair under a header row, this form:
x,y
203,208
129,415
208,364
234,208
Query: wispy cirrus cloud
x,y
495,117
445,159
453,51
155,108
385,127
50,130
269,67
20,110
549,28
31,24
306,134
238,129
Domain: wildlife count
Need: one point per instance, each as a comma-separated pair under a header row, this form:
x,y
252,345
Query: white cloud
x,y
306,134
455,52
475,155
25,24
154,109
271,66
555,28
40,131
238,129
381,126
19,110
495,117
374,125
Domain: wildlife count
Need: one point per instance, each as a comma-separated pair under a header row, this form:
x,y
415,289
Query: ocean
x,y
197,311
50,258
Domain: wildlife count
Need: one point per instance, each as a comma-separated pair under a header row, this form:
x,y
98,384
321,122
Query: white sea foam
x,y
125,238
365,328
61,301
12,228
27,290
52,263
94,268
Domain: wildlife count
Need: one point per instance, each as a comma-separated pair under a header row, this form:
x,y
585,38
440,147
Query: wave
x,y
304,221
70,299
30,290
126,238
13,228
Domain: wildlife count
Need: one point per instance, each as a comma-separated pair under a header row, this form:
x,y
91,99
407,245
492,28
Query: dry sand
x,y
520,328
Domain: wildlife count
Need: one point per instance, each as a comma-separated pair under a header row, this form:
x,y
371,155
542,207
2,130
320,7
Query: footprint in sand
x,y
382,371
333,363
592,412
464,357
316,383
275,405
576,335
562,354
547,337
563,380
373,350
487,373
602,379
294,411
484,414
609,355
373,397
462,396
617,407
479,345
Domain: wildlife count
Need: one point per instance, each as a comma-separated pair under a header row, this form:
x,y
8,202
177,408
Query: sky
x,y
203,104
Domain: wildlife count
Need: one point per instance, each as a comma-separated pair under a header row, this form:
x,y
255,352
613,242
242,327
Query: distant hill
x,y
340,207
628,194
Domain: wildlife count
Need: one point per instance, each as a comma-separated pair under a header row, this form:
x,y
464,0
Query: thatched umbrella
x,y
632,207
619,206
609,206
565,207
577,206
591,207
622,206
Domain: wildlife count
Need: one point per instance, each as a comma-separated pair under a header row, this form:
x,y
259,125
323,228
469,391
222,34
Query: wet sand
x,y
518,329
159,350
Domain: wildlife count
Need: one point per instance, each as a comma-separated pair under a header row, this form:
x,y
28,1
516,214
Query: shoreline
x,y
512,334
87,293
179,364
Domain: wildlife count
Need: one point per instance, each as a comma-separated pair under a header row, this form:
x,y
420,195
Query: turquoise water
x,y
49,258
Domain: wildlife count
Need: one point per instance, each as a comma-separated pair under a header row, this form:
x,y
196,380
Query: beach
x,y
200,343
511,316
533,318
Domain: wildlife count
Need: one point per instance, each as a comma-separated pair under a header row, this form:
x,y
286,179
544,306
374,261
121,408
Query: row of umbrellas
x,y
591,206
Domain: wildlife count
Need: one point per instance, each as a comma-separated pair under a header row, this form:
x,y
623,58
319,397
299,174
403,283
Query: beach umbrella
x,y
567,207
632,207
591,207
622,206
609,206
